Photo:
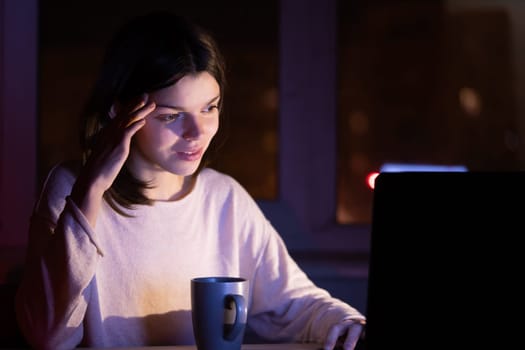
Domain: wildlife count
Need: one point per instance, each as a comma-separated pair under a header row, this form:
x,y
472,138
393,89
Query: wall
x,y
18,104
18,76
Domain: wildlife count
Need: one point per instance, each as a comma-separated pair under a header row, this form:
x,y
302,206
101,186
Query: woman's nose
x,y
191,128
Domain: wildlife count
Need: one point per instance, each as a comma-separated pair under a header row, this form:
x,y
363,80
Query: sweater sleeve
x,y
286,304
61,260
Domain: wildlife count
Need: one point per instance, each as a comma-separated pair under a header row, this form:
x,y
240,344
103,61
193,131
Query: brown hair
x,y
149,53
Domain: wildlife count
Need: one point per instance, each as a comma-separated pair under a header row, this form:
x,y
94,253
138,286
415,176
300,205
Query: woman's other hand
x,y
344,335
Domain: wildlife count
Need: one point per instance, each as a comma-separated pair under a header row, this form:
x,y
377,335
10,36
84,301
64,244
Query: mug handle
x,y
240,315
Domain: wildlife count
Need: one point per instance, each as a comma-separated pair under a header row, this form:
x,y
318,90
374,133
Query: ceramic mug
x,y
219,312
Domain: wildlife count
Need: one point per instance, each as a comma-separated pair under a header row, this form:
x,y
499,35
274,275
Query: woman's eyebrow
x,y
215,99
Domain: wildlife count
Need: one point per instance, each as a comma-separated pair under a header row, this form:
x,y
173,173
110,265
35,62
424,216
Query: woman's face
x,y
180,128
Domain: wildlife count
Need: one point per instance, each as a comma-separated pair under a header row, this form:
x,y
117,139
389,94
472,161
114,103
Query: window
x,y
422,82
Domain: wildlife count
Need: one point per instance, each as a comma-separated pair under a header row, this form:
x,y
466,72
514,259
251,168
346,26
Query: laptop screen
x,y
446,260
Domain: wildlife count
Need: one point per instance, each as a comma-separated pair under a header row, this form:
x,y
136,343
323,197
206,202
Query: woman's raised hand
x,y
108,155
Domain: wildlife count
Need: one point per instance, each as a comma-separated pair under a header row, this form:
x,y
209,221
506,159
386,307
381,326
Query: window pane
x,y
421,85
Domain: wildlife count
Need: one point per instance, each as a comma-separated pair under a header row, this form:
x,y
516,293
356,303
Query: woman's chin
x,y
186,169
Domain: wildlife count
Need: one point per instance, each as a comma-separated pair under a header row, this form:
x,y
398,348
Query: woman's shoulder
x,y
58,184
223,187
224,194
63,174
215,179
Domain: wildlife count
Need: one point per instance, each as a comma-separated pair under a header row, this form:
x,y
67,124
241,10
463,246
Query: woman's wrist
x,y
88,198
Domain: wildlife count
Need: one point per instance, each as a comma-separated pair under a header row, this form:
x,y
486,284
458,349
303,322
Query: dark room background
x,y
322,94
418,82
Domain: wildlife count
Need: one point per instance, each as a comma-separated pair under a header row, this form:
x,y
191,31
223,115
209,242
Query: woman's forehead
x,y
193,90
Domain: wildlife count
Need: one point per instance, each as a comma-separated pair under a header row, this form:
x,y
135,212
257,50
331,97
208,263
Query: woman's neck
x,y
169,187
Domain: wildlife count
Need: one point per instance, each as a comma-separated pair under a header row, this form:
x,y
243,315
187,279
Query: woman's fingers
x,y
112,146
353,335
134,126
125,114
346,332
139,114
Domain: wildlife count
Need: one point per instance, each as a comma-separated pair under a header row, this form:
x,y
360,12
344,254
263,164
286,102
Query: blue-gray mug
x,y
219,312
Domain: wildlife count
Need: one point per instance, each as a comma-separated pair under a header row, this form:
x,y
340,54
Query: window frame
x,y
307,143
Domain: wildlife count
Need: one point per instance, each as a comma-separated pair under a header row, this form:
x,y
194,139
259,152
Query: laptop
x,y
446,261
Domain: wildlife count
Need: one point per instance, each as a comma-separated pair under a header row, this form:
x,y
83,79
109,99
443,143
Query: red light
x,y
371,179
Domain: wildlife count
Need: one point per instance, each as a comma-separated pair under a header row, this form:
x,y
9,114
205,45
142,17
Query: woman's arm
x,y
62,251
61,259
288,306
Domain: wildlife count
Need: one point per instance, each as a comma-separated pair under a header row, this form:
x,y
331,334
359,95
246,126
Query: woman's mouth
x,y
189,155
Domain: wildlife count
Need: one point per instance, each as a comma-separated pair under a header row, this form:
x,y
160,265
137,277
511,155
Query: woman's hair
x,y
149,53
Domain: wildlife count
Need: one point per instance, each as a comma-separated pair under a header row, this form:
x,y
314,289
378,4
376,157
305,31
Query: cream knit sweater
x,y
126,282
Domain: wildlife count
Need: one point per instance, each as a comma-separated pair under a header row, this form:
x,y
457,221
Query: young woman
x,y
115,241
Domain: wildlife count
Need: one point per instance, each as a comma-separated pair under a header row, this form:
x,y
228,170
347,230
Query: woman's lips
x,y
190,155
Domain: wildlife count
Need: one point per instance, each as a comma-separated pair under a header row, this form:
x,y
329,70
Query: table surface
x,y
285,346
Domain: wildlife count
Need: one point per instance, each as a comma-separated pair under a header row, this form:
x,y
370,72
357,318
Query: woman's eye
x,y
170,117
211,108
